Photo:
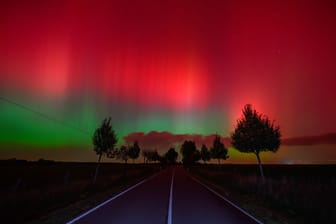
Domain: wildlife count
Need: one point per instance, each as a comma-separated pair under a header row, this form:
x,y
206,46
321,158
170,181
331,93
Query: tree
x,y
205,154
197,156
171,156
255,133
151,155
188,151
134,151
123,154
104,140
146,155
218,150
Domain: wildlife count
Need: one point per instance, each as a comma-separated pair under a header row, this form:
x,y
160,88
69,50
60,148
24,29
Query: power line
x,y
43,115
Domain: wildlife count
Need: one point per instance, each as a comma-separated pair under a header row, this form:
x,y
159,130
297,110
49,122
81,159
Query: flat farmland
x,y
290,194
31,190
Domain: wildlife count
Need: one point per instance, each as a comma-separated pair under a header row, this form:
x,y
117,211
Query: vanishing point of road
x,y
170,197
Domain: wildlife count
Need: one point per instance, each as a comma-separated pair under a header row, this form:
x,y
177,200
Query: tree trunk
x,y
96,173
260,167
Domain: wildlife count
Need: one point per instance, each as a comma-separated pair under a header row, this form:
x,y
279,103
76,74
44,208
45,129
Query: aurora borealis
x,y
183,67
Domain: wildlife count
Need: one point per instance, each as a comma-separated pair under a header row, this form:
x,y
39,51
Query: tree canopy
x,y
218,150
189,153
104,138
134,151
123,153
171,156
150,155
205,153
255,133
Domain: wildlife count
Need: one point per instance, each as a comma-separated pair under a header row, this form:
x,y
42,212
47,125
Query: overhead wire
x,y
43,115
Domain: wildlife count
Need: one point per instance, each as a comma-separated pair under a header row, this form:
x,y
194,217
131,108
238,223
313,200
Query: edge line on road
x,y
227,200
111,199
170,207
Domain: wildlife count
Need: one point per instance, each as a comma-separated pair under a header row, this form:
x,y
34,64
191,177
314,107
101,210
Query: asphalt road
x,y
172,197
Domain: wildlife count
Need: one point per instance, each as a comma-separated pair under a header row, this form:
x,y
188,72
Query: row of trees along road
x,y
169,157
104,141
254,133
191,155
125,153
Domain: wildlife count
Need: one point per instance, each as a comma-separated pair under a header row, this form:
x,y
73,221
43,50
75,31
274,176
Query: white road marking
x,y
170,207
111,199
227,200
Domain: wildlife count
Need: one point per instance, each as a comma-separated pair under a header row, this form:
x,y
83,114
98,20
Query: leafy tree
x,y
197,156
188,151
104,140
134,151
255,133
146,155
218,150
123,154
150,155
205,154
171,156
155,156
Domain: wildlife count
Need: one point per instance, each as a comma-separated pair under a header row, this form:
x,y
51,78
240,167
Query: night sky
x,y
165,68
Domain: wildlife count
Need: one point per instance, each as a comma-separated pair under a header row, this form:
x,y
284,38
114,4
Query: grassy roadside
x,y
55,192
66,214
291,194
257,208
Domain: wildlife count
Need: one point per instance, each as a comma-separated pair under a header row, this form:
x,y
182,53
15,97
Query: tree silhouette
x,y
255,133
123,154
104,140
134,151
196,156
151,155
188,151
205,154
171,156
145,155
218,150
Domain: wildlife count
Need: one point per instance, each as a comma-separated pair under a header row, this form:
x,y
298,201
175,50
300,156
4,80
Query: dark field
x,y
29,190
290,194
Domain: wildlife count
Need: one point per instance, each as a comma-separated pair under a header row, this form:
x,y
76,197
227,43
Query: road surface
x,y
172,197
